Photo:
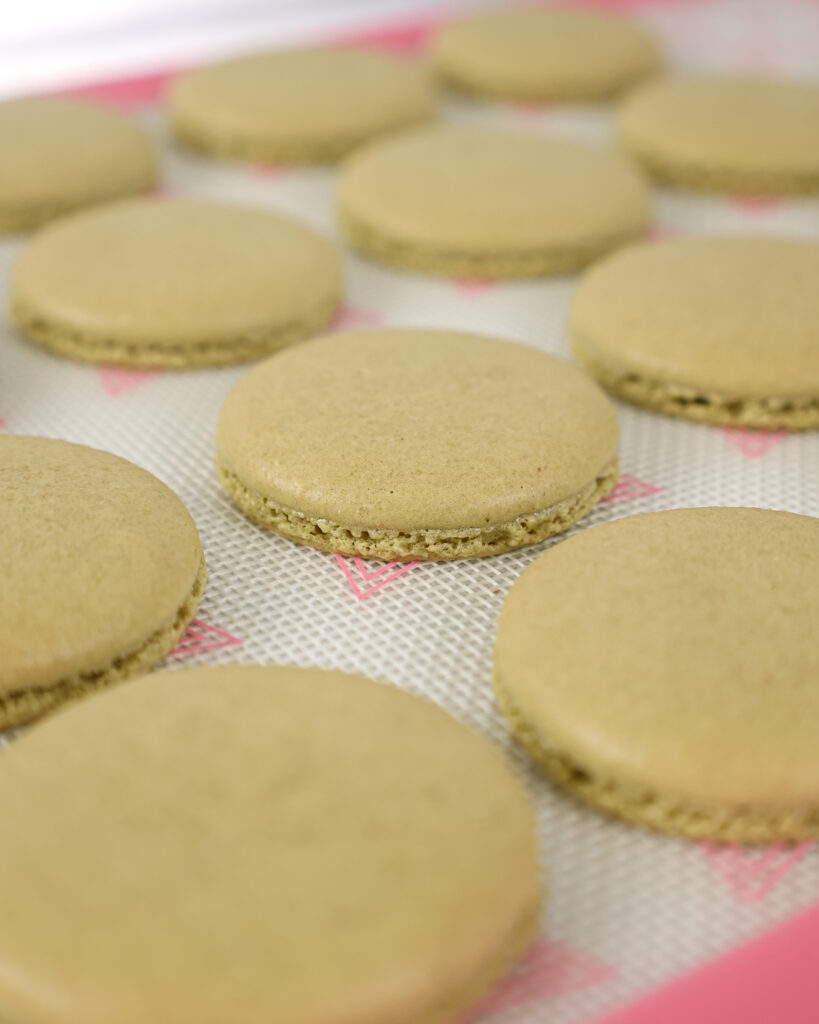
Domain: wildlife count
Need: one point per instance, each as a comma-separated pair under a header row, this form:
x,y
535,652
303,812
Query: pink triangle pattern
x,y
533,107
751,874
756,204
756,57
138,90
659,233
3,423
549,969
753,443
117,381
358,575
200,636
354,316
402,38
628,487
470,286
268,170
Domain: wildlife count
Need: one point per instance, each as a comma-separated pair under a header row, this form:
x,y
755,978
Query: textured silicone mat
x,y
626,909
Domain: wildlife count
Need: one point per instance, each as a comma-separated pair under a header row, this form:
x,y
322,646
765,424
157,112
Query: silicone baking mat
x,y
626,910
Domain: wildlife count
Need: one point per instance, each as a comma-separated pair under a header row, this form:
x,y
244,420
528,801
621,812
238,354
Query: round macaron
x,y
252,844
298,106
720,133
416,444
664,667
722,329
101,567
59,155
544,53
173,283
486,202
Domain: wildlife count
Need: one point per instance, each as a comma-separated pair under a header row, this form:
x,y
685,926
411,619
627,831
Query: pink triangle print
x,y
659,233
629,487
402,38
140,90
756,204
549,969
533,107
118,381
362,579
268,170
753,443
201,636
348,317
471,286
3,423
751,874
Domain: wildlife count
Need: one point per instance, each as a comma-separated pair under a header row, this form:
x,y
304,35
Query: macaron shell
x,y
282,844
298,105
669,657
408,429
544,53
738,315
61,154
182,280
743,133
451,198
97,555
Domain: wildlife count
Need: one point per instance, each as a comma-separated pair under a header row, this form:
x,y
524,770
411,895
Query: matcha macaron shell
x,y
714,328
662,667
63,154
549,52
489,202
255,844
102,569
174,282
298,106
746,134
410,443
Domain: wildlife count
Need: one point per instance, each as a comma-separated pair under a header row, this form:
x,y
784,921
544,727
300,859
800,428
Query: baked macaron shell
x,y
742,133
61,154
97,557
298,105
548,53
174,282
255,844
454,199
730,320
668,657
411,429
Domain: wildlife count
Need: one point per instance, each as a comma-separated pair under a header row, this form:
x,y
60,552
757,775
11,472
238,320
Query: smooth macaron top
x,y
165,272
96,555
491,191
408,429
544,53
59,154
299,102
674,652
256,844
735,314
729,126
